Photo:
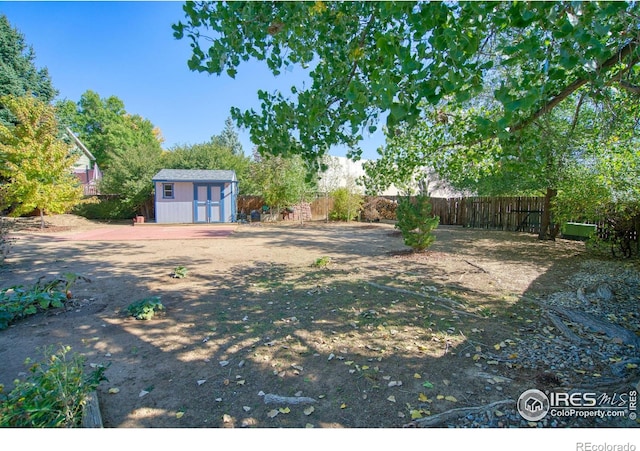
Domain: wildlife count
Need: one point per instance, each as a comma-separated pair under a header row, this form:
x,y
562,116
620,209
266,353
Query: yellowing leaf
x,y
114,390
179,414
349,362
391,398
240,382
415,414
309,410
451,398
440,397
343,406
272,413
476,357
284,410
580,371
365,367
632,365
423,398
496,346
417,376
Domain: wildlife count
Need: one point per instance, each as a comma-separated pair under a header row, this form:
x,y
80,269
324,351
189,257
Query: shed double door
x,y
207,203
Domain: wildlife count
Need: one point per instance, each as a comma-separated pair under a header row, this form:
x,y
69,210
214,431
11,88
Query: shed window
x,y
167,190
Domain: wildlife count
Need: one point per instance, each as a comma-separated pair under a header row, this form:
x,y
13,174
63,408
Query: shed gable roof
x,y
195,175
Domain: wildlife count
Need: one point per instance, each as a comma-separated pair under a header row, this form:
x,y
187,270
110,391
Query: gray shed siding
x,y
184,196
177,210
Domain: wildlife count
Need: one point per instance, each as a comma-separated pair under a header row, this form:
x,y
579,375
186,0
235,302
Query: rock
x,y
604,292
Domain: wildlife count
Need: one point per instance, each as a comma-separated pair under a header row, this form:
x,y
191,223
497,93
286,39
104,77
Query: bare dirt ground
x,y
377,338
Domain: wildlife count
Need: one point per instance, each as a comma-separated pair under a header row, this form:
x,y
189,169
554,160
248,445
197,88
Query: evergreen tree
x,y
229,138
18,73
416,222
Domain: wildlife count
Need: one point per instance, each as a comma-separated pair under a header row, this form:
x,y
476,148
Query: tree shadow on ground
x,y
371,357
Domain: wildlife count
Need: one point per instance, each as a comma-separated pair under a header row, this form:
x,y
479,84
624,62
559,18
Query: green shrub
x,y
105,209
53,394
17,302
346,205
179,272
322,262
145,308
416,222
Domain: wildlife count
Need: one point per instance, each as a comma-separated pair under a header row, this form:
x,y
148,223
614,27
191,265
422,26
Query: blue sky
x,y
127,49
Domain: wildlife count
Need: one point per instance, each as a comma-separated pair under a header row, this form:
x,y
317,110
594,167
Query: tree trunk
x,y
548,230
41,218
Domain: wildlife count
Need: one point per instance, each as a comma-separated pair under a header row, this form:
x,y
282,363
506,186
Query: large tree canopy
x,y
367,59
18,73
34,161
105,126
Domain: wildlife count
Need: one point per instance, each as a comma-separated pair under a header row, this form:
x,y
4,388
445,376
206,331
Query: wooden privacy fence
x,y
500,213
518,214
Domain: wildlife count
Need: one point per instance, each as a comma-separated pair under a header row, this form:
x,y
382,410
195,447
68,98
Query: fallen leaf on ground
x,y
284,410
179,414
391,398
309,410
427,384
226,418
417,376
114,390
272,413
451,398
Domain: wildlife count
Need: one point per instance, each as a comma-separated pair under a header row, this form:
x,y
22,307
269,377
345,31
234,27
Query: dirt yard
x,y
265,332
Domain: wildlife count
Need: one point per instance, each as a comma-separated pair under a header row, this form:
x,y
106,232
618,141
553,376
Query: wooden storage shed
x,y
195,196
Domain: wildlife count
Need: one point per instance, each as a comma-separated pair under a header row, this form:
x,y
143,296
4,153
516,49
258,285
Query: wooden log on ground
x,y
91,416
436,420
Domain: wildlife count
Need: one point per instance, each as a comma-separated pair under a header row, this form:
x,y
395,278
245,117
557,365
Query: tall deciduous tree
x,y
412,59
369,58
105,126
18,74
129,177
34,161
